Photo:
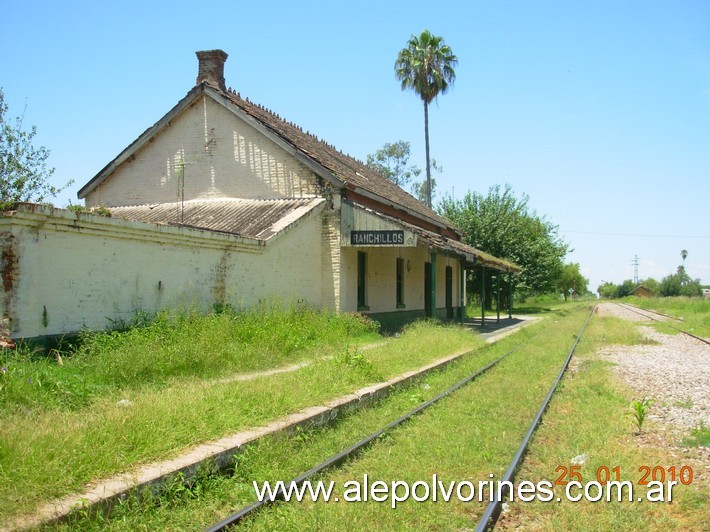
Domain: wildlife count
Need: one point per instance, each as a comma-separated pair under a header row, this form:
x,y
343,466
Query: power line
x,y
635,235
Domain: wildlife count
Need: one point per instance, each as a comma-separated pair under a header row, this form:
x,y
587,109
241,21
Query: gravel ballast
x,y
672,370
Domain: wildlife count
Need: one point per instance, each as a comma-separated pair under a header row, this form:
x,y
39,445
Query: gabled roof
x,y
260,219
349,171
325,160
333,166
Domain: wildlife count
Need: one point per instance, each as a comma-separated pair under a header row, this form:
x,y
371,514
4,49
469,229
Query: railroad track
x,y
659,316
492,511
351,451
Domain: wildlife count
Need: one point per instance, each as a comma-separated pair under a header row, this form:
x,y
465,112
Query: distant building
x,y
641,291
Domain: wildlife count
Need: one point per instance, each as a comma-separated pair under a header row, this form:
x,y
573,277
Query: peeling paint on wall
x,y
8,270
219,287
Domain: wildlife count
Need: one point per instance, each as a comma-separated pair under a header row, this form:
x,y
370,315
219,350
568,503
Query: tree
x,y
392,161
679,284
626,288
652,285
608,290
504,226
24,174
613,291
420,189
683,254
571,281
426,66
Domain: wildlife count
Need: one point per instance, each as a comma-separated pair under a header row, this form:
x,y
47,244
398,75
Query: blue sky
x,y
598,111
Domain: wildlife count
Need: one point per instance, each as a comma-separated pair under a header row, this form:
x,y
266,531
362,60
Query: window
x,y
361,281
400,283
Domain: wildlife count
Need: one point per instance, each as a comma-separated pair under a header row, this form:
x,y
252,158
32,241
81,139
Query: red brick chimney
x,y
211,69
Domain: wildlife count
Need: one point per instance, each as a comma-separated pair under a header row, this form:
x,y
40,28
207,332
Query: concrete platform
x,y
493,330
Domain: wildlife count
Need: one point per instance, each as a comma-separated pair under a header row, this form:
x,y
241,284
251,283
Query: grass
x,y
467,436
695,313
179,346
540,306
589,417
51,444
687,404
699,437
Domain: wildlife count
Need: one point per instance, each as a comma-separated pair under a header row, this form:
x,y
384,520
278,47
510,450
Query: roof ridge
x,y
344,168
323,142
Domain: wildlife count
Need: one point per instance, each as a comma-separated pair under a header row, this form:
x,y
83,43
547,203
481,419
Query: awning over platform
x,y
364,220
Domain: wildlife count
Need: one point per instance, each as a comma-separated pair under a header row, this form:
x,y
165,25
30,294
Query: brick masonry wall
x,y
331,256
74,271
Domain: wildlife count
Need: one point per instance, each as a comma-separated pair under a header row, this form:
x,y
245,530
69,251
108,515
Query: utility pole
x,y
635,264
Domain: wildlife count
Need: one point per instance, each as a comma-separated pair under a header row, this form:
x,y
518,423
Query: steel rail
x,y
340,457
640,312
492,512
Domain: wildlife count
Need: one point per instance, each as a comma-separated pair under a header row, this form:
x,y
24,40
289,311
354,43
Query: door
x,y
362,281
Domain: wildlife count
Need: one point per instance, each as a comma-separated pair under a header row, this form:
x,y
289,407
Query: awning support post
x,y
483,296
510,296
498,298
433,286
462,290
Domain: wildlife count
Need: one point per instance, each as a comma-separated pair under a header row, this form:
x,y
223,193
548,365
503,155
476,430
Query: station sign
x,y
377,238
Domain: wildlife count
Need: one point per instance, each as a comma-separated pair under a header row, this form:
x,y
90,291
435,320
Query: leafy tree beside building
x,y
503,225
392,161
24,174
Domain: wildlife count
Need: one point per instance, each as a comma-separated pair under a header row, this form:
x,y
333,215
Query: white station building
x,y
224,203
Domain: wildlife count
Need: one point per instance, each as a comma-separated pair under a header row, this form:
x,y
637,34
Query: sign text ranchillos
x,y
377,238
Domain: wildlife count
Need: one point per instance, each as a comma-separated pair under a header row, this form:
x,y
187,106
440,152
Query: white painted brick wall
x,y
206,152
381,278
330,238
88,271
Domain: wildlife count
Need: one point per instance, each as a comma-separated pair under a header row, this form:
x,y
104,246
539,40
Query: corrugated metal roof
x,y
347,171
255,218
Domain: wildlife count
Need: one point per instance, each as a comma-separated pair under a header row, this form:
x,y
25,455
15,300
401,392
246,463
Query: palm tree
x,y
426,66
683,255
